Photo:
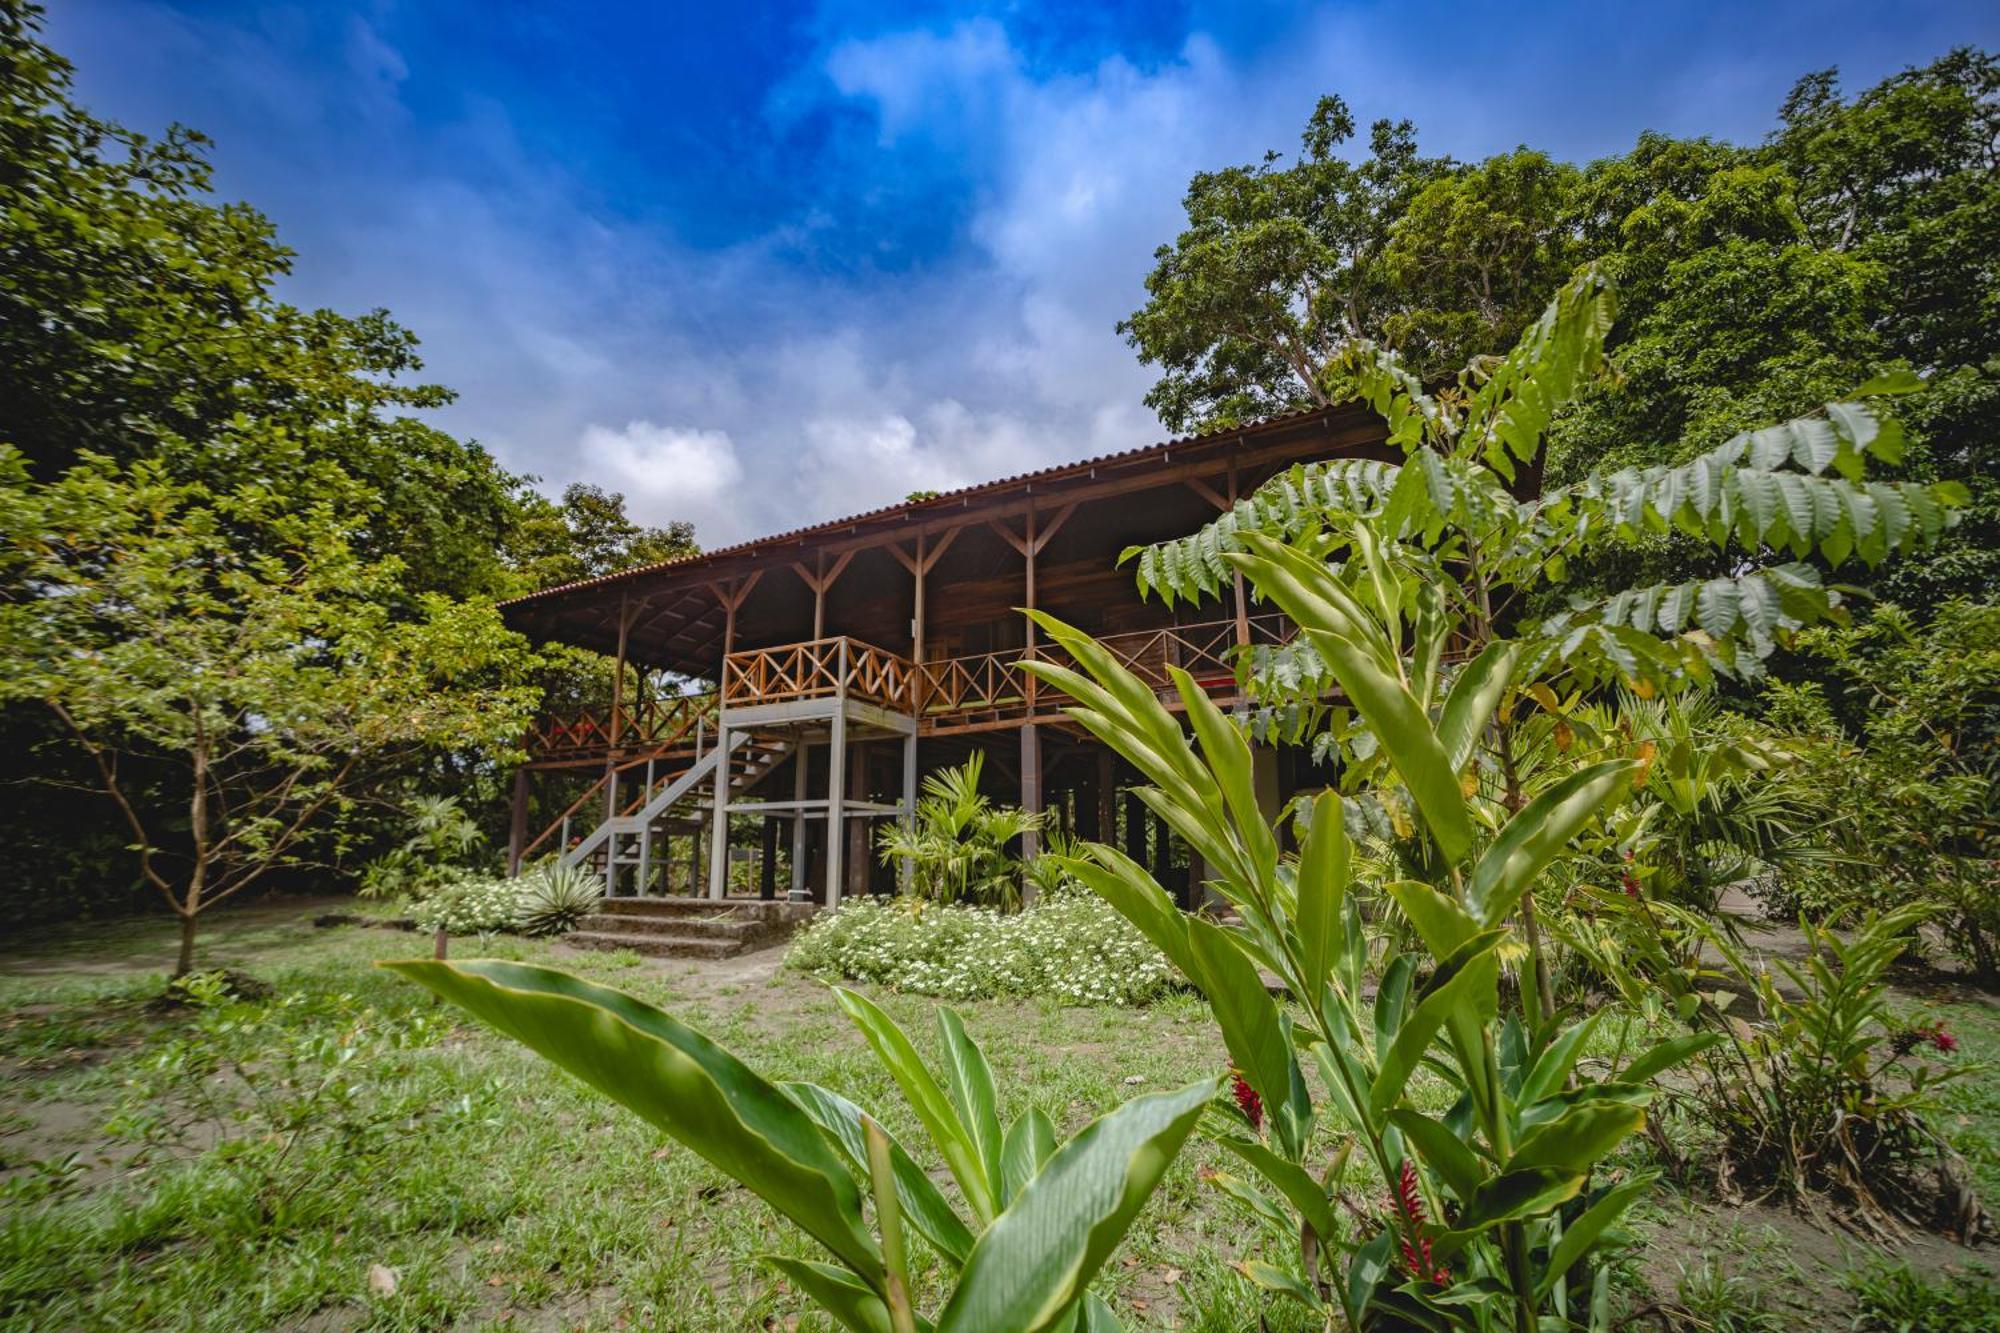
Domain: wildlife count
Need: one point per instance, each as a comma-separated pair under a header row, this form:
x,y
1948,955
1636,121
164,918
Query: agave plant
x,y
555,898
1039,1218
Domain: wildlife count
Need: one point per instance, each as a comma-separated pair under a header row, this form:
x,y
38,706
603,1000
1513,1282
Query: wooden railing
x,y
652,725
818,670
983,686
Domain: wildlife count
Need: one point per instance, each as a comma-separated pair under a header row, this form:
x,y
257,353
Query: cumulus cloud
x,y
667,472
807,367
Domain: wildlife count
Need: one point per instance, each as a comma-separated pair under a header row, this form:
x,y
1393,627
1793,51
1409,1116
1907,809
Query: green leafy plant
x,y
554,898
442,837
1893,1299
956,849
1817,1088
1039,1220
1389,571
1069,947
459,902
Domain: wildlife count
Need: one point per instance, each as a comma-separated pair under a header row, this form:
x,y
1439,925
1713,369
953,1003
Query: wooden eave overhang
x,y
672,610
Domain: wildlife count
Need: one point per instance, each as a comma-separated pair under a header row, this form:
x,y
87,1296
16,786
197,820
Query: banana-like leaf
x,y
926,1098
1292,579
1291,1180
1244,1010
969,1079
675,1078
1444,1151
1034,1262
1579,1236
1475,694
1577,1139
1666,1055
1326,864
1030,1140
923,1204
1469,990
836,1291
1508,1197
1537,834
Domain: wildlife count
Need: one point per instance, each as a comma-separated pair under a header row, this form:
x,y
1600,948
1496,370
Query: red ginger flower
x,y
1247,1100
1409,1201
1942,1039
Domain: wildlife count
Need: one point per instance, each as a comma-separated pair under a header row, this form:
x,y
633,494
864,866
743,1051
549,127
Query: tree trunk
x,y
186,963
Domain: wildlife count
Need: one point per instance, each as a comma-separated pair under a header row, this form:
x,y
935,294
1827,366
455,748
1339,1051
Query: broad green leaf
x,y
1552,1067
1578,1138
1581,1235
1474,695
1134,894
1439,922
1291,1180
1036,1259
1279,572
1509,1197
675,1078
1538,833
1227,753
1244,1010
1326,865
836,1291
923,1204
1278,1282
1469,990
1441,1150
934,1109
1030,1140
1666,1055
969,1079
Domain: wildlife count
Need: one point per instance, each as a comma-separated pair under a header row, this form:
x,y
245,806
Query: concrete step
x,y
654,946
775,909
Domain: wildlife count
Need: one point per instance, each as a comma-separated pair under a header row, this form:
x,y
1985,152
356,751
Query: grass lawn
x,y
443,1175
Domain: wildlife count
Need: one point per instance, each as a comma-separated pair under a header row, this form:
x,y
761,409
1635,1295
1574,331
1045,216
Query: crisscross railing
x,y
651,724
817,669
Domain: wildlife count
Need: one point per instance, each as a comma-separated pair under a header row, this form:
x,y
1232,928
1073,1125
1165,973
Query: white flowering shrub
x,y
466,904
1069,947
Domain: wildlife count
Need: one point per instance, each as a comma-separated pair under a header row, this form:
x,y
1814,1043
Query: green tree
x,y
588,534
1277,266
267,678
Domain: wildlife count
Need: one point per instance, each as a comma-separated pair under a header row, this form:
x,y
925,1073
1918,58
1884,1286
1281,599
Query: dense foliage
x,y
152,373
1067,947
1756,281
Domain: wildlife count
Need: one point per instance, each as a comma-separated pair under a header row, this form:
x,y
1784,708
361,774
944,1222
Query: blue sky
x,y
757,265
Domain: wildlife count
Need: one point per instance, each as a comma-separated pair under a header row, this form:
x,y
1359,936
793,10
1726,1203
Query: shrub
x,y
556,898
464,904
1068,947
956,848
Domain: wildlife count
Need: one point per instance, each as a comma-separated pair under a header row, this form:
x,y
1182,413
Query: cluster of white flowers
x,y
465,904
1070,947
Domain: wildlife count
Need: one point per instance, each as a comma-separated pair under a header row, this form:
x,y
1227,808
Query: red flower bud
x,y
1247,1100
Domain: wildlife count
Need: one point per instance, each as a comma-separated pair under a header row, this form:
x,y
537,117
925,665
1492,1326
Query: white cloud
x,y
667,472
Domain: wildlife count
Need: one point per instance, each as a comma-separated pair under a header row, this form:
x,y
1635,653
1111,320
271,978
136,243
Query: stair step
x,y
778,909
655,946
681,927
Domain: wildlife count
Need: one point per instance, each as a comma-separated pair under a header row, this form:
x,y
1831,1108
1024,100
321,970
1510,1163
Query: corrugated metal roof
x,y
915,507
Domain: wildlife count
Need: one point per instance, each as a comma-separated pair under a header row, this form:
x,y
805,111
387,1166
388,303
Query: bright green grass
x,y
501,1192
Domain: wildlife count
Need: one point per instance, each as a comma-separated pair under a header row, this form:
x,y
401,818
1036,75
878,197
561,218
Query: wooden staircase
x,y
689,927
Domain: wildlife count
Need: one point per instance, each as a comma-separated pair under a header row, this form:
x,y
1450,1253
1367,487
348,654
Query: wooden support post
x,y
860,865
798,893
618,677
908,818
1031,786
767,861
517,822
836,787
1135,827
1163,858
718,818
1107,809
